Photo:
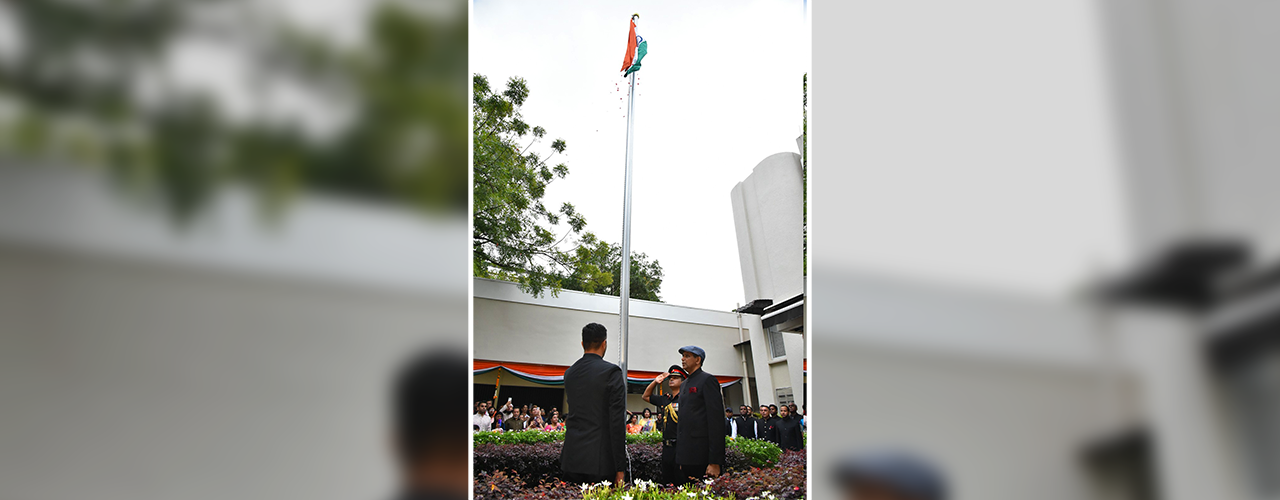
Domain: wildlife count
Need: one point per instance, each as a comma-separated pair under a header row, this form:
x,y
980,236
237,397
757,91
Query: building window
x,y
777,348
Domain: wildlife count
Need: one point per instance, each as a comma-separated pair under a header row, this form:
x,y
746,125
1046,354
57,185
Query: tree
x,y
598,269
515,236
92,87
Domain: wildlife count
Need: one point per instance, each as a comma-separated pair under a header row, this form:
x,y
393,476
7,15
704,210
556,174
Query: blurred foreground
x,y
1153,377
224,227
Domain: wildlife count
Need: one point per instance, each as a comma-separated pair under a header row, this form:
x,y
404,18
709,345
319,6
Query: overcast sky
x,y
721,89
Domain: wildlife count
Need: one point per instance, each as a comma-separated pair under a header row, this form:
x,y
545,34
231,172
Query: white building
x,y
523,344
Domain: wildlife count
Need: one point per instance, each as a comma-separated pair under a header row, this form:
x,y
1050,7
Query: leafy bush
x,y
760,453
517,437
786,481
651,437
540,462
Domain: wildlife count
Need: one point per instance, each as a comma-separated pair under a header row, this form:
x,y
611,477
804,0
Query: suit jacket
x,y
771,430
514,424
595,426
702,423
746,427
789,435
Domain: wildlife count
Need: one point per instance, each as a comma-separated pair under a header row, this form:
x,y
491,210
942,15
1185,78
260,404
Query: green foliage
x,y
598,269
651,437
539,436
761,453
517,437
515,236
76,86
647,490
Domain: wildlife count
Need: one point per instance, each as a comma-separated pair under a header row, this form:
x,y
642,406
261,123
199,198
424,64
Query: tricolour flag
x,y
636,50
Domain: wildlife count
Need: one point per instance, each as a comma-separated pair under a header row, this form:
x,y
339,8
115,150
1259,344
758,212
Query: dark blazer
x,y
701,433
771,430
746,427
789,435
595,429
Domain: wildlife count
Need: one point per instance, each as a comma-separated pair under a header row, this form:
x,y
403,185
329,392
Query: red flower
x,y
693,389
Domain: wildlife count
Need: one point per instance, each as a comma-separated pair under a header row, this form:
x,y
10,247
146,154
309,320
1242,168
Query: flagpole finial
x,y
635,16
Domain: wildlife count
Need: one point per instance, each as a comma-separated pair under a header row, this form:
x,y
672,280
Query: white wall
x,y
235,358
768,216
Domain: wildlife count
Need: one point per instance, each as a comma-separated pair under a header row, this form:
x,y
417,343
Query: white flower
x,y
708,481
585,486
691,494
626,497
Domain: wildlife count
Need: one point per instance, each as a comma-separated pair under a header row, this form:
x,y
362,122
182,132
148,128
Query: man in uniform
x,y
700,451
668,419
595,432
789,435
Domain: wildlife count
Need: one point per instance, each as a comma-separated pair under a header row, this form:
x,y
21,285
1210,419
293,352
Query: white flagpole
x,y
624,314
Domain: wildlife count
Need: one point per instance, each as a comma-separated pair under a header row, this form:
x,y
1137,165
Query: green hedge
x,y
760,453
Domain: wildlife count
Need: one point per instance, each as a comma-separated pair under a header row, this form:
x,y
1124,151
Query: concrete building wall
x,y
1195,93
138,361
768,215
1002,430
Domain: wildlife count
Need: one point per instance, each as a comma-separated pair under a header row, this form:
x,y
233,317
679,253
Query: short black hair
x,y
430,379
593,335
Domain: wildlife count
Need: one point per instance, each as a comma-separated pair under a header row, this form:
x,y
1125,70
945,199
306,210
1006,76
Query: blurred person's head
x,y
631,420
890,476
555,419
744,410
764,410
647,413
430,445
792,408
728,412
784,411
773,410
595,339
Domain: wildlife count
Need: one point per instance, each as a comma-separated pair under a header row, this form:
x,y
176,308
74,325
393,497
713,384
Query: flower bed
x,y
538,436
540,462
785,481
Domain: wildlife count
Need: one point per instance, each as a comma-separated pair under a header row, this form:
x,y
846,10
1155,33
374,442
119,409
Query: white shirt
x,y
483,421
733,424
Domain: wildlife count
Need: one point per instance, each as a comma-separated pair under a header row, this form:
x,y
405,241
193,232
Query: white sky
x,y
720,90
964,142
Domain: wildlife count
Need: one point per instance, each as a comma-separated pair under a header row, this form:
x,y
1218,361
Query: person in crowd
x,y
515,423
495,419
535,423
746,425
647,423
595,432
804,418
480,419
700,448
890,476
771,427
789,435
633,424
555,424
730,426
762,422
793,409
426,455
669,419
507,410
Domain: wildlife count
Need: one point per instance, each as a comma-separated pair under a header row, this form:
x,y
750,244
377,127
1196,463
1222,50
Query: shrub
x,y
760,453
517,437
787,481
540,462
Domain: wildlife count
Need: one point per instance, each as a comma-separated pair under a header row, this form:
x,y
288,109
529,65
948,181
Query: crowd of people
x,y
688,402
510,417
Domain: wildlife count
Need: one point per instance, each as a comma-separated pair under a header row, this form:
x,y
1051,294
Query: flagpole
x,y
625,292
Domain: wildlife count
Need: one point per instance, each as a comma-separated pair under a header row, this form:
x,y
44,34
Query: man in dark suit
x,y
729,424
700,448
746,424
595,429
789,435
515,423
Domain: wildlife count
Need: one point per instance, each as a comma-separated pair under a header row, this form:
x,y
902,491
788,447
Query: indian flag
x,y
636,50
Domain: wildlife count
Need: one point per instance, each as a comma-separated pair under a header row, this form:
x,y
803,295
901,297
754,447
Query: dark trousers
x,y
670,471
